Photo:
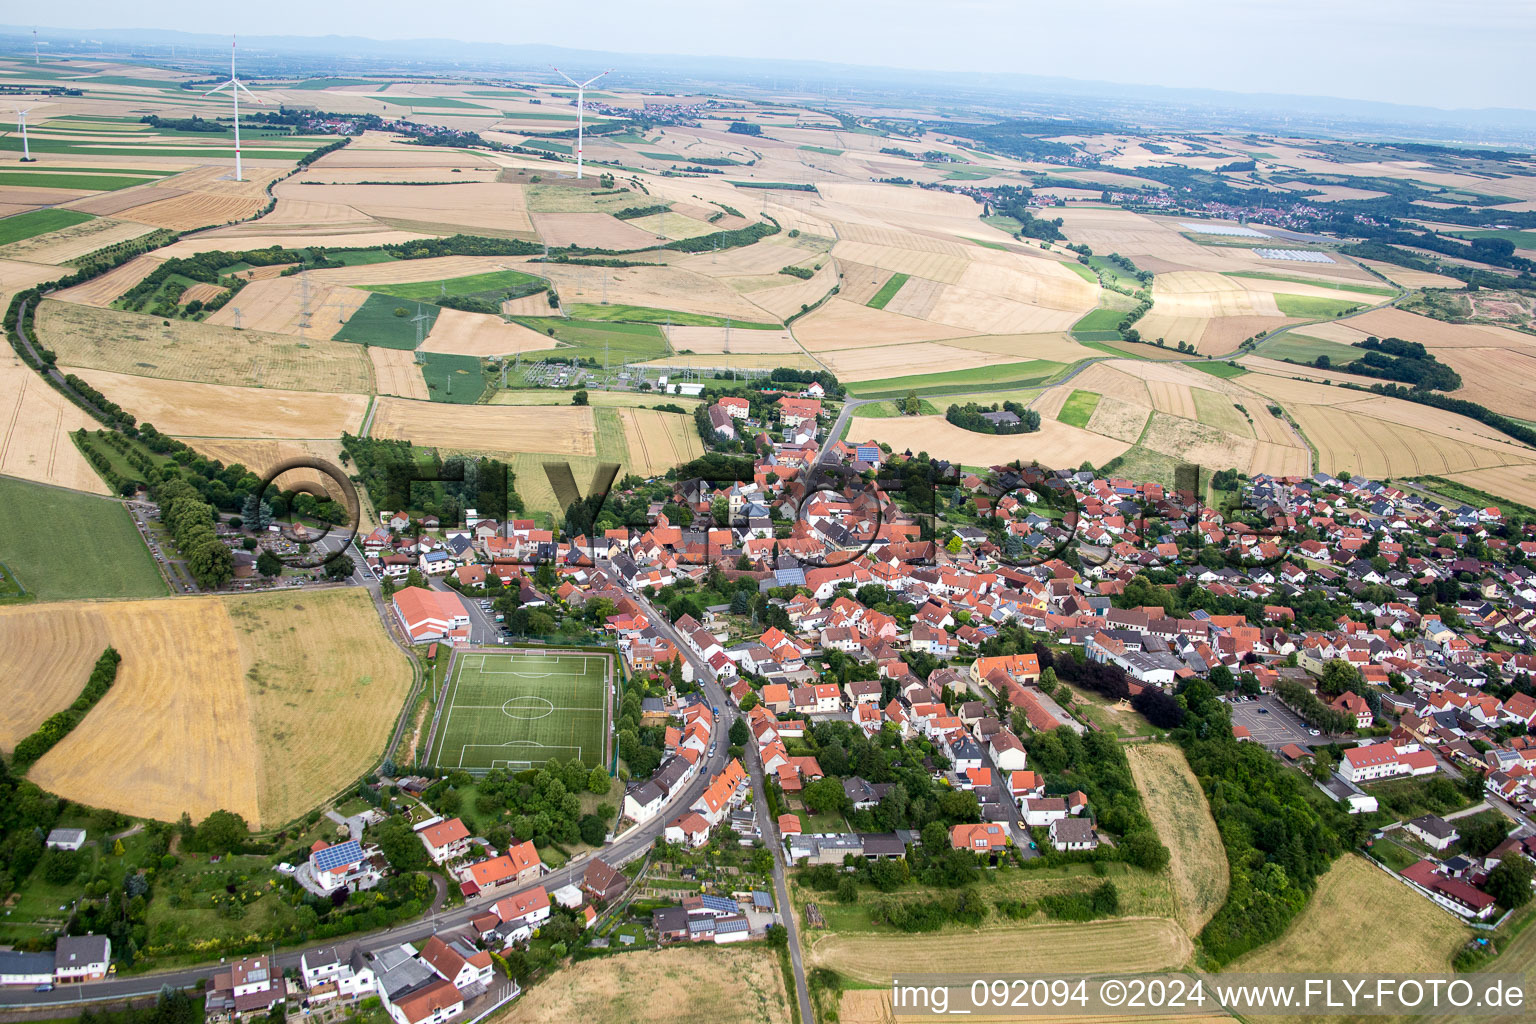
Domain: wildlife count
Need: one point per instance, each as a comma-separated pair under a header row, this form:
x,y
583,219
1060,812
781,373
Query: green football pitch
x,y
518,709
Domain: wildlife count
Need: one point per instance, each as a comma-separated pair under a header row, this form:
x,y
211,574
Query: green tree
x,y
720,511
221,832
1510,882
739,732
340,567
1338,676
399,845
579,398
825,796
911,405
269,564
954,545
598,782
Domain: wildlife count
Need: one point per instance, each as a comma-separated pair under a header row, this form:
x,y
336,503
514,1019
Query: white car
x,y
1313,732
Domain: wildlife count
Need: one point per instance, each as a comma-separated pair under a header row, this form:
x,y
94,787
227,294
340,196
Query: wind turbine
x,y
235,86
21,120
581,110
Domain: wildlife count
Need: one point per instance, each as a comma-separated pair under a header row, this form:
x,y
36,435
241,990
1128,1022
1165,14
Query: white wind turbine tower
x,y
21,121
235,86
581,110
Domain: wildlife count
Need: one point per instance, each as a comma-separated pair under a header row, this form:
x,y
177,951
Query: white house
x,y
445,840
81,958
1042,811
327,976
1073,834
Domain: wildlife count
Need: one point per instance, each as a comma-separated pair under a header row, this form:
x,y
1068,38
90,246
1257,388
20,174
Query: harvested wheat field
x,y
175,733
1395,323
1225,333
560,430
1054,444
1172,329
1220,411
436,268
901,360
184,408
75,241
595,230
194,210
785,300
1174,399
739,361
652,287
1411,935
1183,819
396,372
1348,441
211,688
658,441
100,291
1406,278
1116,379
481,334
46,655
1119,419
840,324
1055,346
945,265
325,685
1499,378
35,424
713,339
16,276
1127,945
738,985
468,204
873,1006
1190,441
147,346
1515,482
261,456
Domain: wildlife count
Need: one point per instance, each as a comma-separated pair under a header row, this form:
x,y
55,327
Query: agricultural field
x,y
186,723
38,222
568,430
147,346
658,441
380,321
35,424
1128,944
189,409
1178,809
740,985
1355,894
1079,408
116,564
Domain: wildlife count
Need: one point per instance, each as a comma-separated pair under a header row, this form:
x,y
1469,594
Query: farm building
x,y
432,615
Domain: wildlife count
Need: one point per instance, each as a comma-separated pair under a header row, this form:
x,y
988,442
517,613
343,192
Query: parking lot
x,y
1272,723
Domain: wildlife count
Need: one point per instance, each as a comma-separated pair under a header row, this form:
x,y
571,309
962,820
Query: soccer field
x,y
518,709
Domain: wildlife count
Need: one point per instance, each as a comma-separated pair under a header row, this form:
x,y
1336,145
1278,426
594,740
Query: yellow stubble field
x,y
262,705
35,424
562,430
658,441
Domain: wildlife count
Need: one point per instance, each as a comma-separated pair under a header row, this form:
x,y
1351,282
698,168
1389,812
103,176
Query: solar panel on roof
x,y
340,855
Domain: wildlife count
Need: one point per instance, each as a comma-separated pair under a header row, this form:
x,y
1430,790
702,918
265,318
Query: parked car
x,y
1263,711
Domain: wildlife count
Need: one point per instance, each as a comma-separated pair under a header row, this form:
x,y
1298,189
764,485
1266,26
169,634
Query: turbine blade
x,y
594,78
567,77
218,88
242,88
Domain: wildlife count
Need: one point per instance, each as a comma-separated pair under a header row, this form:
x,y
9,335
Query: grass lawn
x,y
1312,307
887,291
359,257
39,522
38,222
496,284
621,342
377,323
1078,408
1393,855
889,410
1000,376
651,315
450,378
1305,349
1081,271
1219,369
1342,286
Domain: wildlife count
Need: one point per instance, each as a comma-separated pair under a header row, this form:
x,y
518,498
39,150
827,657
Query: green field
x,y
146,147
455,379
45,544
375,323
516,709
549,147
1001,376
38,222
1312,307
1078,408
89,182
1077,268
1340,286
887,291
890,410
619,313
824,150
1219,369
1098,324
493,285
593,339
1522,239
1305,349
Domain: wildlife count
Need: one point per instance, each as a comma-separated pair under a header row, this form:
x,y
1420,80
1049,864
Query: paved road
x,y
769,830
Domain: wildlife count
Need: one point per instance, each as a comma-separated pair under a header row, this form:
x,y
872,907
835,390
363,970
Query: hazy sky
x,y
1446,53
